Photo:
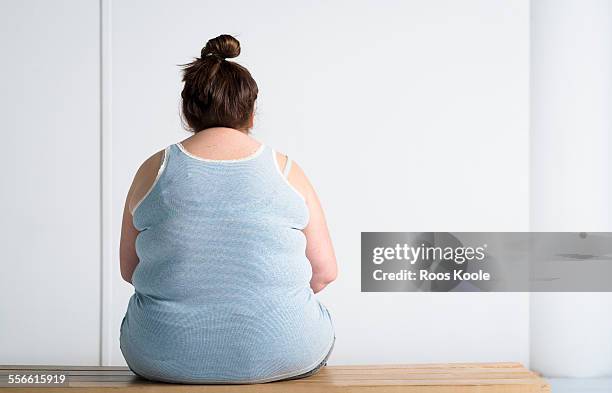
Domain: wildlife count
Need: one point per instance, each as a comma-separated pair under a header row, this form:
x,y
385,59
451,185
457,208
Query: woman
x,y
226,243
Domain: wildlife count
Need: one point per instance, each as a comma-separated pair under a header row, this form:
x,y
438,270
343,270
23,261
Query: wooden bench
x,y
422,378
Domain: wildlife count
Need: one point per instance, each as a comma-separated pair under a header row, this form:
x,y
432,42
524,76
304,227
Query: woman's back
x,y
225,250
222,287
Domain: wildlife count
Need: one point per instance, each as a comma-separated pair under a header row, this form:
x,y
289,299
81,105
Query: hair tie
x,y
215,55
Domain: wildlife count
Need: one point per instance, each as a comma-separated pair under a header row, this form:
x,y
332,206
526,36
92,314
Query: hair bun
x,y
225,46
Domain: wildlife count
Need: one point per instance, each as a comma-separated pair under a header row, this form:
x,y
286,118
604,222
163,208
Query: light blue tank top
x,y
222,289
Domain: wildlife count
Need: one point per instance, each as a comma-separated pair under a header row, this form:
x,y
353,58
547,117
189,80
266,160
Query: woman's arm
x,y
127,248
319,248
144,179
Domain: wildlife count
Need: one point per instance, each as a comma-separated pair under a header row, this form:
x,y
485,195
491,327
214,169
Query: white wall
x,y
50,198
571,98
407,116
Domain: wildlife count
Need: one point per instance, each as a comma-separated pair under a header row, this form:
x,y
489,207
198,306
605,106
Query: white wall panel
x,y
407,116
50,195
571,57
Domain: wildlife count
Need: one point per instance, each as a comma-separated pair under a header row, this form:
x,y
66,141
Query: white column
x,y
571,102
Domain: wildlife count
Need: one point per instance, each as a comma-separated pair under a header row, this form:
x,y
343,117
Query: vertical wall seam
x,y
105,183
101,176
529,160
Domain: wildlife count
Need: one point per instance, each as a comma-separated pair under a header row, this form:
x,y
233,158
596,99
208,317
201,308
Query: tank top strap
x,y
287,167
171,155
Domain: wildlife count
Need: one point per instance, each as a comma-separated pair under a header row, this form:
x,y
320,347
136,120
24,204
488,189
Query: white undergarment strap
x,y
287,167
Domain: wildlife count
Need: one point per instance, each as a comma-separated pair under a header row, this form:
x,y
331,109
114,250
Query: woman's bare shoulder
x,y
144,179
296,176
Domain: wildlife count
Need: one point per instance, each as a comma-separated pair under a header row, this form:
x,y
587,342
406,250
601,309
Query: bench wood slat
x,y
413,378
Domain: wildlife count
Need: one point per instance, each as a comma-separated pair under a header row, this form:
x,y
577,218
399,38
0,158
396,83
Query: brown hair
x,y
217,92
